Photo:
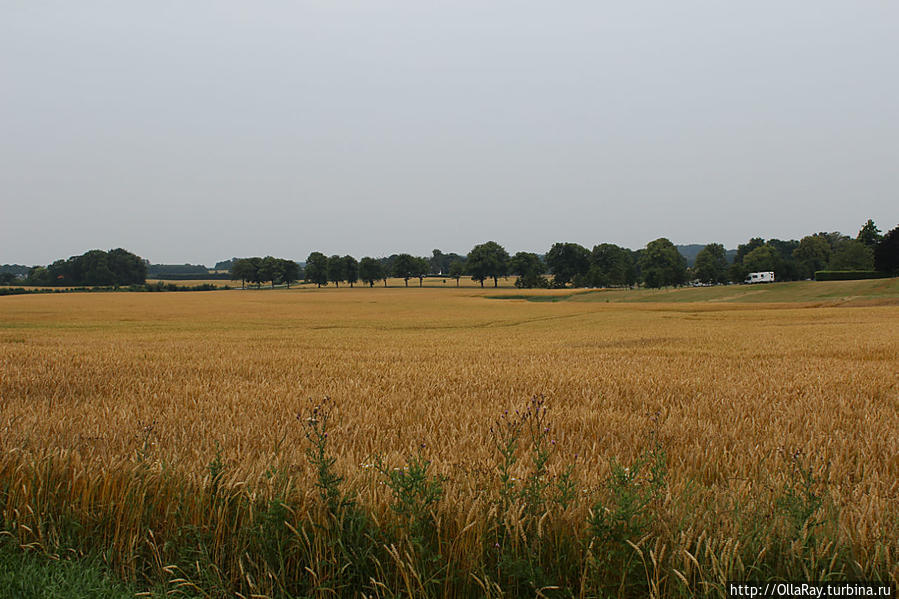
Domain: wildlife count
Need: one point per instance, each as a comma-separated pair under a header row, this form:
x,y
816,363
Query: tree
x,y
336,270
789,269
812,254
270,270
456,270
92,268
350,269
662,265
566,261
370,271
290,271
711,264
243,270
404,267
886,254
762,259
7,278
317,269
611,265
745,248
487,260
421,268
869,234
127,268
852,255
440,262
529,269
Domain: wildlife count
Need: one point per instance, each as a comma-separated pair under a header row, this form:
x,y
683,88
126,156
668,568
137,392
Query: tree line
x,y
95,268
659,264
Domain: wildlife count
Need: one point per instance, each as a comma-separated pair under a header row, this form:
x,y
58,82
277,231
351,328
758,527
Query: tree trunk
x,y
482,282
495,282
457,282
406,281
420,281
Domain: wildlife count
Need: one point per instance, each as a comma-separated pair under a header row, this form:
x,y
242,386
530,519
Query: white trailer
x,y
766,276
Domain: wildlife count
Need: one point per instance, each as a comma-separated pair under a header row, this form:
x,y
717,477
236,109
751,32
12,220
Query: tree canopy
x,y
487,261
662,265
568,261
711,264
886,254
317,269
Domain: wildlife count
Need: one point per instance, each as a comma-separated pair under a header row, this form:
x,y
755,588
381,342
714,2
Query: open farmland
x,y
170,430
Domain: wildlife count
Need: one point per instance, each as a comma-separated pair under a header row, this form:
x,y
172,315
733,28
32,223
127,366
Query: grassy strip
x,y
34,575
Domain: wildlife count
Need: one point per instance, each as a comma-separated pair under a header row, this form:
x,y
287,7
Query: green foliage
x,y
316,431
415,493
869,234
662,265
317,269
852,255
529,269
350,270
456,270
95,267
611,266
440,262
762,259
812,254
567,261
803,499
711,264
525,448
370,270
33,575
487,261
336,269
745,248
620,521
420,268
886,253
405,266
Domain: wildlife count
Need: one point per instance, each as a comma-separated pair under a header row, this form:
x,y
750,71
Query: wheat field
x,y
100,390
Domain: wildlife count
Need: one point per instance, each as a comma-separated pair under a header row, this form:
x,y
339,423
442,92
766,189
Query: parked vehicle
x,y
760,277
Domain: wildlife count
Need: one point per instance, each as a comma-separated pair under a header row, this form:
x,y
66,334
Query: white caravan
x,y
760,277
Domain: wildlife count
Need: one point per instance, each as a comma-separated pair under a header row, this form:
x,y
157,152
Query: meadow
x,y
445,442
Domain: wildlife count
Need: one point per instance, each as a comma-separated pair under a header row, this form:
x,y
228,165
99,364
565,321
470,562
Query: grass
x,y
169,433
34,575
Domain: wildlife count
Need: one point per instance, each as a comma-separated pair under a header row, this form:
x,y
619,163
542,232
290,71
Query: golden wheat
x,y
728,388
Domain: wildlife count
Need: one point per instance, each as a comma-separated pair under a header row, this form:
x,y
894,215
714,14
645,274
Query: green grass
x,y
34,575
834,292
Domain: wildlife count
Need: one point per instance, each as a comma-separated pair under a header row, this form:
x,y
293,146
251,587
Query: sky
x,y
197,131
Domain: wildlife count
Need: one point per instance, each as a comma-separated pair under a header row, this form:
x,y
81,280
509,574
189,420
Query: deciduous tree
x,y
317,269
487,261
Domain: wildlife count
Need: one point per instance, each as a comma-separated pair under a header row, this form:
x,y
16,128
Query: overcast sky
x,y
196,131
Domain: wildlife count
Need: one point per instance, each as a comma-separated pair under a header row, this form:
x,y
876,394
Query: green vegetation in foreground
x,y
788,292
33,575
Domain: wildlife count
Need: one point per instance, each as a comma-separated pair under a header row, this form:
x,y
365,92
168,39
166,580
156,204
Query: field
x,y
665,441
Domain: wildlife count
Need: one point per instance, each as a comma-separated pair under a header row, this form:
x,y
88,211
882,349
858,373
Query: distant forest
x,y
659,264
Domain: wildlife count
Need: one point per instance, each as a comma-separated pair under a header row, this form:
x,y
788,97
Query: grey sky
x,y
194,131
